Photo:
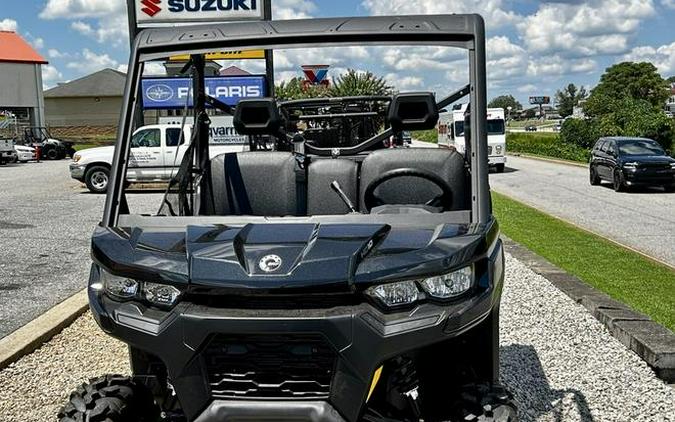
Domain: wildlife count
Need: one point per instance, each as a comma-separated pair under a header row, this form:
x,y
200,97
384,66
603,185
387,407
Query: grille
x,y
489,149
281,367
307,301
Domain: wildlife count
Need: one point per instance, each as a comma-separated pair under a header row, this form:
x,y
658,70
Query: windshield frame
x,y
459,31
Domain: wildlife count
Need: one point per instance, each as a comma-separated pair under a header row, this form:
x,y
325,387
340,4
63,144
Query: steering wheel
x,y
444,199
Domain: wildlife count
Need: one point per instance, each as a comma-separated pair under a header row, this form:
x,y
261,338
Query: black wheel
x,y
500,167
594,178
97,178
485,403
617,182
112,398
51,154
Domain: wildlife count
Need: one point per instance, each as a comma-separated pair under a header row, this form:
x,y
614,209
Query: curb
x,y
31,336
652,342
550,160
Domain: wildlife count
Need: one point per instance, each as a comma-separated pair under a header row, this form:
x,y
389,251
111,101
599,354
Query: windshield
x,y
640,147
494,127
333,106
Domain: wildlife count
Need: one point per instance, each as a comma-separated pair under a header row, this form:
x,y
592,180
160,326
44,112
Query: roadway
x,y
642,219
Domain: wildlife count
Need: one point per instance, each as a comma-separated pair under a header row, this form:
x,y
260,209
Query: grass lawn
x,y
430,136
628,277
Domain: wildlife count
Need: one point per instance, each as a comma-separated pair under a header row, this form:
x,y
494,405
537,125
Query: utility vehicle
x,y
451,134
298,281
50,148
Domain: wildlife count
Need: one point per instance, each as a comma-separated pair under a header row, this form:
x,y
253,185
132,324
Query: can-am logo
x,y
151,7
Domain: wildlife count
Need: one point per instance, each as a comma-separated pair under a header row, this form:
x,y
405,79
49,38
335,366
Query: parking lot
x,y
642,219
46,220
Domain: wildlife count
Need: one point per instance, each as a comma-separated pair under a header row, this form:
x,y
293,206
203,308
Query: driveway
x,y
46,221
643,219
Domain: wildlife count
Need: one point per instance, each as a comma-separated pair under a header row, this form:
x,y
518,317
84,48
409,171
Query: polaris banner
x,y
151,12
172,93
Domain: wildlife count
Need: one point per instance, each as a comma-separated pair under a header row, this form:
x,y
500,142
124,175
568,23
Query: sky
x,y
533,47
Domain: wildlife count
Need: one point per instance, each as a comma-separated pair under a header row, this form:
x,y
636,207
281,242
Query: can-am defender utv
x,y
299,284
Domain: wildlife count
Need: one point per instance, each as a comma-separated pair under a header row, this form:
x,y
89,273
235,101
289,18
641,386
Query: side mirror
x,y
413,111
257,117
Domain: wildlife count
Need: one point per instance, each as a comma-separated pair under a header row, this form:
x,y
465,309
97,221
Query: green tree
x,y
350,84
354,83
627,80
568,98
295,89
505,101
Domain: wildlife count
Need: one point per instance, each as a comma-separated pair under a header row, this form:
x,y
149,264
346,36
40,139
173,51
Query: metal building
x,y
21,80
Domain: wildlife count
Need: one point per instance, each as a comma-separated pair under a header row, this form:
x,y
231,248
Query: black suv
x,y
628,162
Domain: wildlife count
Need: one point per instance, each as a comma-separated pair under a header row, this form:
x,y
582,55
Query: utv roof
x,y
459,31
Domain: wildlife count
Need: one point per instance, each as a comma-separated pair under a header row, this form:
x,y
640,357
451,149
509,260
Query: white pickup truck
x,y
155,154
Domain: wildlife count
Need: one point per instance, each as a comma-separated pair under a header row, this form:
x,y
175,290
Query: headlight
x,y
160,294
123,288
672,166
499,149
395,294
630,165
77,158
119,287
449,285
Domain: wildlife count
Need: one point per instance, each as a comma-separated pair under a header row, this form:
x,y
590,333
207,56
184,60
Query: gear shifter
x,y
338,189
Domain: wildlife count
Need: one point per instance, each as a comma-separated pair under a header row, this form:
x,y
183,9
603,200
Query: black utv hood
x,y
284,257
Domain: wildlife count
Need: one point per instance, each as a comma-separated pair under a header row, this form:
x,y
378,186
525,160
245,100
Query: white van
x,y
451,134
155,154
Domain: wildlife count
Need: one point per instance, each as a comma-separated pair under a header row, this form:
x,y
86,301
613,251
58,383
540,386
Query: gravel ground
x,y
561,364
642,219
46,221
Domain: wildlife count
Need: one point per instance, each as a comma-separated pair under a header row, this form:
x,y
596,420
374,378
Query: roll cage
x,y
459,31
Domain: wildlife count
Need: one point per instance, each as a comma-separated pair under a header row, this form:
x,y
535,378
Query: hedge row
x,y
545,144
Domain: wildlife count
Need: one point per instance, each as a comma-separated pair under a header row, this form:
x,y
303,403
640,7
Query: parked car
x,y
628,162
25,153
530,128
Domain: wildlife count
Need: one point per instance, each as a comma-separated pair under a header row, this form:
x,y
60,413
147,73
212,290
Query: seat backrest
x,y
254,183
448,164
321,199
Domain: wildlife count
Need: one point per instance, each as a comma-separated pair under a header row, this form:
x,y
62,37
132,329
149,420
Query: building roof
x,y
104,83
233,71
15,49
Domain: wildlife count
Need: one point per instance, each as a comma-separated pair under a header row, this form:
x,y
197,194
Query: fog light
x,y
449,285
394,294
161,294
119,287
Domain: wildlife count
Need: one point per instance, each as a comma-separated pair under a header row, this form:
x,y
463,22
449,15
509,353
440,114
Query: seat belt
x,y
301,185
235,185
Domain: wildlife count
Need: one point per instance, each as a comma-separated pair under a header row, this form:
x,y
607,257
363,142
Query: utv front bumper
x,y
288,364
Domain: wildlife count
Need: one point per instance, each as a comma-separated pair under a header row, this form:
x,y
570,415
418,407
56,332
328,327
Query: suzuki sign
x,y
171,93
151,12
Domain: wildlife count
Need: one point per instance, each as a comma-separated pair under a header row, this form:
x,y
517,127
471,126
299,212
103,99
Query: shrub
x,y
547,145
580,132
